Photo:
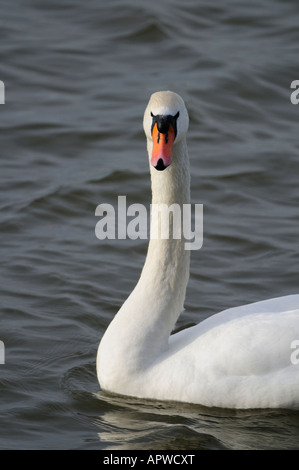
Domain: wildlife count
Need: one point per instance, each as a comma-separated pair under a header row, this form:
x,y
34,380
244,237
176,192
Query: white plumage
x,y
239,358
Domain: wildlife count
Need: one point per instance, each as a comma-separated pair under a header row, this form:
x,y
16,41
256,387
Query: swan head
x,y
165,123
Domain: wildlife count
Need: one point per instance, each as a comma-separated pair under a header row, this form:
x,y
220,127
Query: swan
x,y
238,358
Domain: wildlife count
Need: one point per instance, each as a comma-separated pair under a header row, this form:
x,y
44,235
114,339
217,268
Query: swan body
x,y
239,358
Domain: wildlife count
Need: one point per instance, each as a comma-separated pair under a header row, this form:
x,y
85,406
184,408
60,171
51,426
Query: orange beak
x,y
162,147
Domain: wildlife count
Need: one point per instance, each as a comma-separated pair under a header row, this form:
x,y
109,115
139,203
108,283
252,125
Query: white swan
x,y
239,358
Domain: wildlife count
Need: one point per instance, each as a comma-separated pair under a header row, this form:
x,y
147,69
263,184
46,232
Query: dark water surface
x,y
77,78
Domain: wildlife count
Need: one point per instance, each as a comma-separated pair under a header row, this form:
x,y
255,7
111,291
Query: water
x,y
77,78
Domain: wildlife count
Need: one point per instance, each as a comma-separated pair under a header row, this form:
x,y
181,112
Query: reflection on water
x,y
77,78
183,426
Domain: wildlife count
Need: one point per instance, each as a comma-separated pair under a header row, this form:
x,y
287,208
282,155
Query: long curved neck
x,y
142,326
158,298
166,270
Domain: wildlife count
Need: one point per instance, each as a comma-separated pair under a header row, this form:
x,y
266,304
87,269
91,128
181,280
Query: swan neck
x,y
140,331
166,270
